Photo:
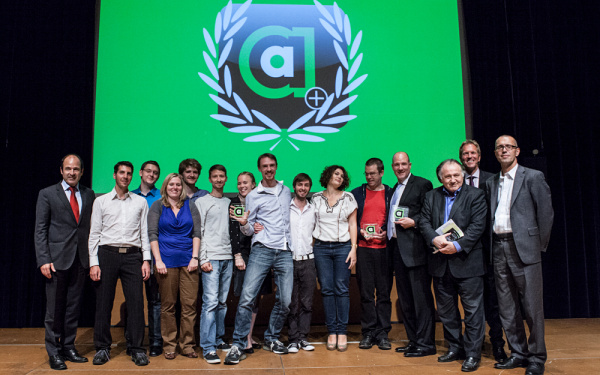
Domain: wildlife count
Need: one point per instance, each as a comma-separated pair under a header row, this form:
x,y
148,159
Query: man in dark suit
x,y
521,218
470,156
62,228
457,264
409,258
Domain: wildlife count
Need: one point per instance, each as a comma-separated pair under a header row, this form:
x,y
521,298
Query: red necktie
x,y
74,204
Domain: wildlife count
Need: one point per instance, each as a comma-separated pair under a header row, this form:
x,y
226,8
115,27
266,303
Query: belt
x,y
502,237
121,250
304,257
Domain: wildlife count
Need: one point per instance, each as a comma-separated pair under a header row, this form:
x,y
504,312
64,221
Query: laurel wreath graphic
x,y
338,26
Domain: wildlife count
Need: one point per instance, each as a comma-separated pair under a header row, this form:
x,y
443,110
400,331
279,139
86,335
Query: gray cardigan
x,y
154,217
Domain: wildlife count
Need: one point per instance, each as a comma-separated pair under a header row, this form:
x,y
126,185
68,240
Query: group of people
x,y
186,243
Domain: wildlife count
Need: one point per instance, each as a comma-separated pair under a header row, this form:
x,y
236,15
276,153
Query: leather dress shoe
x,y
403,349
535,368
470,364
72,356
451,356
155,351
418,352
57,363
510,363
140,359
499,353
384,344
366,342
101,357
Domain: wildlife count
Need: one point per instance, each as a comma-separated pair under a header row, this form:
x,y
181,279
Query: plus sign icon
x,y
283,72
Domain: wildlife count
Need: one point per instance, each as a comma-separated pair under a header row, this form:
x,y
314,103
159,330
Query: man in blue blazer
x,y
521,218
457,264
62,228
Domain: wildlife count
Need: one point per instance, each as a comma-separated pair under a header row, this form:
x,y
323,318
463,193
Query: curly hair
x,y
328,173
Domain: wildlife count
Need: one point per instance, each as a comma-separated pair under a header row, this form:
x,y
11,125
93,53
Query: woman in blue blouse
x,y
174,233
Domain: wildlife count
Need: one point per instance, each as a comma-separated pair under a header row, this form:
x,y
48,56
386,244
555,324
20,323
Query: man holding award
x,y
452,221
408,251
373,267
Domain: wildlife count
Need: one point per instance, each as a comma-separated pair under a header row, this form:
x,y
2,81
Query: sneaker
x,y
234,356
140,359
212,358
292,348
276,347
101,357
224,346
305,345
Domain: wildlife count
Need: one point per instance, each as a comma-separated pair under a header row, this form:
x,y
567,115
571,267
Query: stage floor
x,y
573,348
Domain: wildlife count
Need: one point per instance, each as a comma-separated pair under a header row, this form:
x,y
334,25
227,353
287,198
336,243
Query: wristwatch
x,y
198,259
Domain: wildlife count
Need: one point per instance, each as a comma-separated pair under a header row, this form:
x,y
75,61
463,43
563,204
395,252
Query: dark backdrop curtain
x,y
534,75
532,65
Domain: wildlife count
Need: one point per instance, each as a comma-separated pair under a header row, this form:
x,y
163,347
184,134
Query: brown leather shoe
x,y
170,355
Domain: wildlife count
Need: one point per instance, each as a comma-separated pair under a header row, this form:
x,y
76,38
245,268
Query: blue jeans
x,y
261,260
214,304
334,277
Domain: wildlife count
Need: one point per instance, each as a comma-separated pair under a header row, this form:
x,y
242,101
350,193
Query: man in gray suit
x,y
470,156
521,217
62,228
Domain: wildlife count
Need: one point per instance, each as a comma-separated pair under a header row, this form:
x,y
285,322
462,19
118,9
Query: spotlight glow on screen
x,y
315,83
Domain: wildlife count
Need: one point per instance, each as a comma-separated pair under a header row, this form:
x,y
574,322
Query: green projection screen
x,y
315,83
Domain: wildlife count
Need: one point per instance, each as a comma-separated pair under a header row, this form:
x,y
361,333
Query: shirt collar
x,y
262,189
450,195
114,195
67,186
511,174
405,180
293,203
475,174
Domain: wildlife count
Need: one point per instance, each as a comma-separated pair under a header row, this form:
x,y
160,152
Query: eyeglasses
x,y
372,174
506,147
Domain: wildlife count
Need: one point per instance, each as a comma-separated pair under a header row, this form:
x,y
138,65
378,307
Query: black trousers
x,y
305,283
447,290
416,300
490,305
63,296
128,267
374,276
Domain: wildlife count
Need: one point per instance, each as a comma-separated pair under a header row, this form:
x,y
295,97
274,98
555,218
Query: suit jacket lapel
x,y
63,198
494,194
407,189
519,177
456,203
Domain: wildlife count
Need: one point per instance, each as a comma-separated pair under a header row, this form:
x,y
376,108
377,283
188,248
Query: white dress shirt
x,y
119,222
391,230
302,224
505,188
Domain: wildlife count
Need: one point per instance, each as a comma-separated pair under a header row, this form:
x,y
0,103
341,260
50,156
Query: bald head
x,y
401,165
506,150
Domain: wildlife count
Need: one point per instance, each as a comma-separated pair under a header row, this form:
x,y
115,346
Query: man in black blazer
x,y
457,264
409,258
521,218
470,156
62,228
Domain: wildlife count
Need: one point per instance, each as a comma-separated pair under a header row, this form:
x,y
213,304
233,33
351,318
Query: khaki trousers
x,y
178,281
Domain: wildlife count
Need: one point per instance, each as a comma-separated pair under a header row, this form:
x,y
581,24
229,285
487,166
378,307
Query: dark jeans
x,y
334,277
374,278
153,298
63,296
305,283
128,267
